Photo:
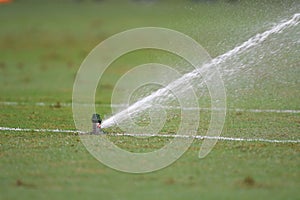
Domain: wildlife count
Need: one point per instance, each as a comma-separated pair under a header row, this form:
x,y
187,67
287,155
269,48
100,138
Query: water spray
x,y
89,74
139,106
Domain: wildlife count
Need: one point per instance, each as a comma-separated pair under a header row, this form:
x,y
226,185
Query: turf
x,y
42,46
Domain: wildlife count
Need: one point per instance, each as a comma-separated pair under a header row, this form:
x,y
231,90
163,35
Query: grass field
x,y
42,45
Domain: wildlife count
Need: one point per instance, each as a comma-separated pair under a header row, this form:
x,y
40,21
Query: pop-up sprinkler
x,y
96,120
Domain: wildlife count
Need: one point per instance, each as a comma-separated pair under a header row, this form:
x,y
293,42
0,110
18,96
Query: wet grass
x,y
58,166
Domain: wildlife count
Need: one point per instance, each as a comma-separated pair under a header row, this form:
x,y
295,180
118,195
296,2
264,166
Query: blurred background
x,y
44,42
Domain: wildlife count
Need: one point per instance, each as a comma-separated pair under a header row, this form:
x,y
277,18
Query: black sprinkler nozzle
x,y
96,120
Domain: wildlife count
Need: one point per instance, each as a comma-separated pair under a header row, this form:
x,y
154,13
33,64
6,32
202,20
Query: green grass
x,y
42,46
58,166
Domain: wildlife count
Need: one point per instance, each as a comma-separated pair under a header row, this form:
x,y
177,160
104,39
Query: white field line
x,y
9,103
155,135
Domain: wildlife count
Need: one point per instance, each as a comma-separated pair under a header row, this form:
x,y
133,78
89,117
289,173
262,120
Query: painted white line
x,y
38,130
155,135
9,103
209,137
265,110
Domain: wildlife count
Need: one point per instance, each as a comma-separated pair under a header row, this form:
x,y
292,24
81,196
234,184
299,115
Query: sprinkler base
x,y
96,121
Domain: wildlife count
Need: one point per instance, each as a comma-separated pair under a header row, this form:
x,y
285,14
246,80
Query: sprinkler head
x,y
96,118
96,121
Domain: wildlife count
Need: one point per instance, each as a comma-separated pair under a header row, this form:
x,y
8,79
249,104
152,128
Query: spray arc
x,y
84,94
